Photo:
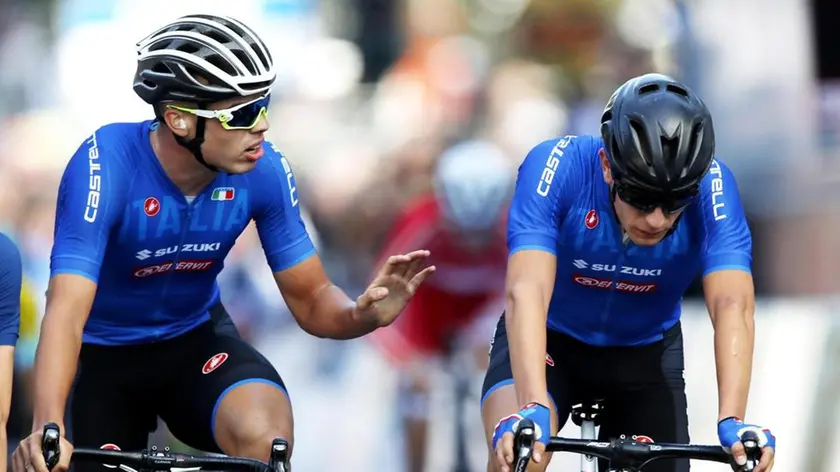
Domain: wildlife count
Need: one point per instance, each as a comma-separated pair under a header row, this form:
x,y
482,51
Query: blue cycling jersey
x,y
608,292
10,285
154,253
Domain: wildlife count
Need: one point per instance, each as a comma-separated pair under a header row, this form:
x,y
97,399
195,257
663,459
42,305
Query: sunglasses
x,y
243,116
648,202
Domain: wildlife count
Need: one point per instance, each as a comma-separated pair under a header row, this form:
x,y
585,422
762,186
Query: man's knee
x,y
250,417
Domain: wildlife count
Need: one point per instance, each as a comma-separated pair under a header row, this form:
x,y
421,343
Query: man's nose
x,y
262,125
657,219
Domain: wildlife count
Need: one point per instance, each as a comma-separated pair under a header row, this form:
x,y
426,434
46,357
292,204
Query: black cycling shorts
x,y
642,387
120,391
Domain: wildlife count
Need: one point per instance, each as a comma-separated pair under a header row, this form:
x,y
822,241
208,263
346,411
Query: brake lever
x,y
50,445
523,444
279,460
752,449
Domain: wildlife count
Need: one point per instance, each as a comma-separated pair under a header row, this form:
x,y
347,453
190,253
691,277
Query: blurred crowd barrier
x,y
372,91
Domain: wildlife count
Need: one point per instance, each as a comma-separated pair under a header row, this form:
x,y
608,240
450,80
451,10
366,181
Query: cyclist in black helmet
x,y
605,235
146,214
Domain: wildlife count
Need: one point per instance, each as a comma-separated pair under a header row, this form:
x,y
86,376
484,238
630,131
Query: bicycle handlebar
x,y
624,454
164,461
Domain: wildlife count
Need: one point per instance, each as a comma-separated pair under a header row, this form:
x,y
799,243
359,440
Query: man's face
x,y
643,228
234,151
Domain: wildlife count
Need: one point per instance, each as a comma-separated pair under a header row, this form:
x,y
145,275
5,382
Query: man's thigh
x,y
211,364
112,401
500,374
646,397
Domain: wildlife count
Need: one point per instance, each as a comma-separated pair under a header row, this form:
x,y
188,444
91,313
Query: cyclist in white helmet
x,y
462,223
146,214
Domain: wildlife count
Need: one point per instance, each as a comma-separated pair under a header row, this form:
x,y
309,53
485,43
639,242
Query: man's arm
x,y
530,282
320,307
728,286
10,285
90,200
730,298
7,362
549,176
69,300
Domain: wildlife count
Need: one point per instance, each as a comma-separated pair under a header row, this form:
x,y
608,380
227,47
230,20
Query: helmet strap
x,y
625,238
194,145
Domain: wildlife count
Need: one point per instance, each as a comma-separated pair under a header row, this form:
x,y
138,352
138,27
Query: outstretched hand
x,y
393,287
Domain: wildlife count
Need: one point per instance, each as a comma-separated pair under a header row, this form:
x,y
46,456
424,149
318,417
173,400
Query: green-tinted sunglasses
x,y
243,116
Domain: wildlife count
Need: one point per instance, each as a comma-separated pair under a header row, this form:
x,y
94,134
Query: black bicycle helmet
x,y
202,59
658,135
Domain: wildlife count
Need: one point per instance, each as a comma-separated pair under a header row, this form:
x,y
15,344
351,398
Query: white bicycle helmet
x,y
473,182
226,53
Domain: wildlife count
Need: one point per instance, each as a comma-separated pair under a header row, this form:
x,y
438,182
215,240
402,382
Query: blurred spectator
x,y
462,223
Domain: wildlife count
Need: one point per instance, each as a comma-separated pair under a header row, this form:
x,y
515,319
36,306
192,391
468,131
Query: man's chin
x,y
644,240
239,167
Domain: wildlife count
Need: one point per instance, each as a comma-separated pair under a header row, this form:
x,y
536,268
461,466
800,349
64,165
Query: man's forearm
x,y
525,323
55,367
4,451
333,315
734,339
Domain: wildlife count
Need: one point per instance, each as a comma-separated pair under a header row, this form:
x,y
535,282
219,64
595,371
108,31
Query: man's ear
x,y
605,167
179,122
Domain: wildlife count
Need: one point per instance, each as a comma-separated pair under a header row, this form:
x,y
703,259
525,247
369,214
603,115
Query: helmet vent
x,y
188,48
161,68
640,141
222,64
256,86
696,137
240,54
646,89
677,90
215,35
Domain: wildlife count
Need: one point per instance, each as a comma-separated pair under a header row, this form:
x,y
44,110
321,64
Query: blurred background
x,y
371,92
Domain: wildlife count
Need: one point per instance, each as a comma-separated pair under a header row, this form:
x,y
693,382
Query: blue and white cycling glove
x,y
730,431
538,413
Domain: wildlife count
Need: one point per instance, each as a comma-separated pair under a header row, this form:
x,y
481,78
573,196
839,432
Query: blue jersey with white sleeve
x,y
154,253
608,292
10,286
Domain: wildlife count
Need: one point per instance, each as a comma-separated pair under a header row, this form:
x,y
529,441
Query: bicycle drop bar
x,y
164,461
624,454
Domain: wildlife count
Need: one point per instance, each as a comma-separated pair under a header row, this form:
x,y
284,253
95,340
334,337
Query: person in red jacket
x,y
462,223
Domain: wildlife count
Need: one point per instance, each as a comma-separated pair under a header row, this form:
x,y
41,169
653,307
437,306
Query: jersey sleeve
x,y
279,224
10,286
88,206
548,177
728,243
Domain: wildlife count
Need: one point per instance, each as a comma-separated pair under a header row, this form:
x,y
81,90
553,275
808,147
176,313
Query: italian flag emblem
x,y
222,194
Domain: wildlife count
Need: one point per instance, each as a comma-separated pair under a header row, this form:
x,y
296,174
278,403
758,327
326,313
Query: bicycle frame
x,y
626,455
156,461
